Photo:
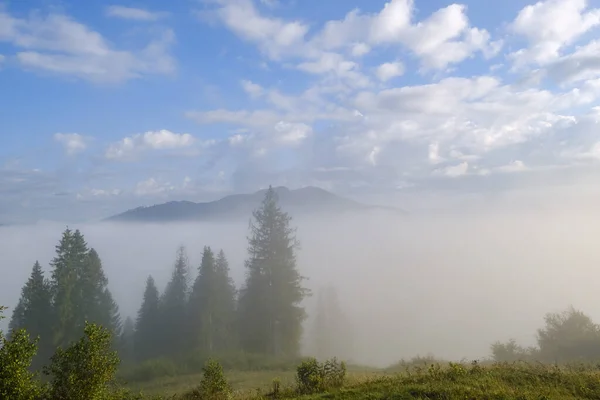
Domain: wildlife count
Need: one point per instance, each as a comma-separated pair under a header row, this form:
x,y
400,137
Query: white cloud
x,y
58,44
360,49
2,58
138,14
72,142
88,194
388,71
259,118
292,133
581,65
515,166
152,140
455,171
253,89
549,26
444,38
434,153
153,187
274,36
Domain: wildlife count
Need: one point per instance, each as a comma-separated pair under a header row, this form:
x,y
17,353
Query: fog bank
x,y
447,284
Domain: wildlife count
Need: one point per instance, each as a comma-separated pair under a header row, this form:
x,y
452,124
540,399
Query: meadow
x,y
518,380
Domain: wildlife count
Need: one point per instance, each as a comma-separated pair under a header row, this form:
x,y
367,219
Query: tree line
x,y
568,336
207,314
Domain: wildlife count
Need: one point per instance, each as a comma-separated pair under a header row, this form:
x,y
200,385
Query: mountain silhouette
x,y
309,200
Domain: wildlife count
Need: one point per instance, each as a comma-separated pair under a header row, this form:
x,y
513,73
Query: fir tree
x,y
17,318
226,337
200,304
34,313
71,255
80,290
97,304
173,306
270,313
212,304
147,339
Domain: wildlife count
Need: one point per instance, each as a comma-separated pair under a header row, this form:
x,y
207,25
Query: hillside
x,y
308,200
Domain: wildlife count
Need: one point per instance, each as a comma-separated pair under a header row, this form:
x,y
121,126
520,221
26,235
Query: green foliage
x,y
173,309
34,313
147,329
151,369
315,377
212,305
79,290
569,336
270,314
213,384
85,370
511,351
16,354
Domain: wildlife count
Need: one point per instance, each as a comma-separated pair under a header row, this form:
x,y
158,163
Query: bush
x,y
213,385
16,354
314,377
85,370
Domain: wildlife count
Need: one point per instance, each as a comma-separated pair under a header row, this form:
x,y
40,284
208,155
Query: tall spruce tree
x,y
80,290
212,304
226,304
97,305
269,306
147,338
34,314
70,259
173,307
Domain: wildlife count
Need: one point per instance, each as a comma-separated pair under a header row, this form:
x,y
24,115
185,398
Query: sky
x,y
107,106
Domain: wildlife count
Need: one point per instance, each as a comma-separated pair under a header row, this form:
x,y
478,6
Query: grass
x,y
244,383
518,381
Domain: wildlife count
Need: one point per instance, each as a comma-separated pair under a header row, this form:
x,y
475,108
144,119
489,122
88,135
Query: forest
x,y
67,340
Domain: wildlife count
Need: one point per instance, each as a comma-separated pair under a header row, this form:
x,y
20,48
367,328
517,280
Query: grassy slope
x,y
455,382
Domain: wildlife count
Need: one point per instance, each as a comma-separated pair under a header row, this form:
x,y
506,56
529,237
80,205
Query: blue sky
x,y
107,106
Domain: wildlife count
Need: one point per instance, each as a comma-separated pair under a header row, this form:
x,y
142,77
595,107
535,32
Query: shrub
x,y
85,370
16,354
214,384
314,377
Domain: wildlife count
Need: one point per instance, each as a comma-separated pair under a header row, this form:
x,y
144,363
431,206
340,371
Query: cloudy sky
x,y
109,106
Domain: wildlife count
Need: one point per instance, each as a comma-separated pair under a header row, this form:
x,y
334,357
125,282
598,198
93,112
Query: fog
x,y
448,284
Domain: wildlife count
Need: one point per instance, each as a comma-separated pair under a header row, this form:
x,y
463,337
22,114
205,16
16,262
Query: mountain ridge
x,y
309,199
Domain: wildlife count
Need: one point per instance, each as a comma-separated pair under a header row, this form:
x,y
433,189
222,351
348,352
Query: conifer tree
x,y
71,255
269,306
34,313
173,306
200,304
96,301
226,335
80,290
147,326
16,320
212,304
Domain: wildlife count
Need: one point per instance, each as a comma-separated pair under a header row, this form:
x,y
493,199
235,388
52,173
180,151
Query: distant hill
x,y
308,200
